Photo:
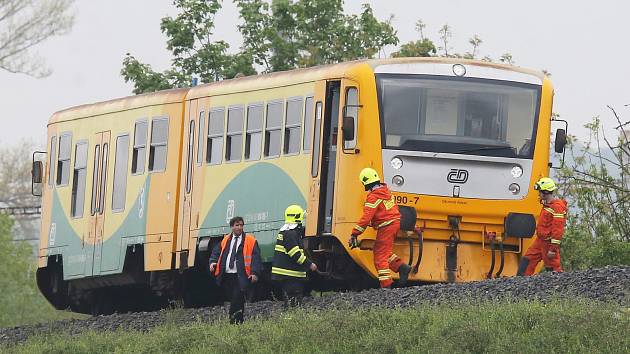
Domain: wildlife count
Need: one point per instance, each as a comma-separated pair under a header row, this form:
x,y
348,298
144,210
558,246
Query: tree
x,y
420,26
596,185
20,301
423,47
507,58
270,33
420,48
283,35
195,54
302,33
475,41
446,33
15,186
26,23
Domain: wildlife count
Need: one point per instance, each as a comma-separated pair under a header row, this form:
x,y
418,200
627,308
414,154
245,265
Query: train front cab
x,y
461,149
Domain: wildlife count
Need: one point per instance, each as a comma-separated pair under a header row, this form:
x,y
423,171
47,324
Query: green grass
x,y
31,309
561,326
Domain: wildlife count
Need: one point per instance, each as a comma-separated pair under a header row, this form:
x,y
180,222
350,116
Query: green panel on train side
x,y
134,225
63,240
78,258
259,194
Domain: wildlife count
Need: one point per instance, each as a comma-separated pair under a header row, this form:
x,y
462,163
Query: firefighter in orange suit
x,y
381,212
549,231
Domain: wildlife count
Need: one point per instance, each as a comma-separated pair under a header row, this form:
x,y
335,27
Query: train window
x,y
202,126
51,160
308,124
273,127
316,138
97,157
139,147
214,148
234,143
293,126
104,167
78,181
119,192
63,163
352,110
189,164
253,138
159,140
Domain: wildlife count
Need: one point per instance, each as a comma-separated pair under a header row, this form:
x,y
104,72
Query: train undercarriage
x,y
137,290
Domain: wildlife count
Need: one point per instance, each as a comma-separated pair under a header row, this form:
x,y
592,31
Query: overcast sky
x,y
584,46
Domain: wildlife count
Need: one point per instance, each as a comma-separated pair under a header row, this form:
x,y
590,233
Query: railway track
x,y
609,284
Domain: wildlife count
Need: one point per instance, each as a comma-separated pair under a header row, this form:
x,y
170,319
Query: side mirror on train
x,y
36,172
561,140
348,128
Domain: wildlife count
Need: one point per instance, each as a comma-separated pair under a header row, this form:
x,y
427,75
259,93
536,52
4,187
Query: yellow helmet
x,y
545,184
293,214
368,175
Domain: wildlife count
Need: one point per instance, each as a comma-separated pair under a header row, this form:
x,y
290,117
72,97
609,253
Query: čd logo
x,y
457,176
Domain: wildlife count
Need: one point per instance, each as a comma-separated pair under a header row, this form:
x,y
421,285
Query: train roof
x,y
257,82
286,78
120,104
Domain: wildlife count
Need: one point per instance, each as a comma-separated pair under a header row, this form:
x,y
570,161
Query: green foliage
x,y
425,47
595,184
419,48
195,54
557,327
283,35
144,78
302,33
20,300
278,35
580,250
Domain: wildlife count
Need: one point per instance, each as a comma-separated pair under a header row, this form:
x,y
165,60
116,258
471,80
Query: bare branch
x,y
25,24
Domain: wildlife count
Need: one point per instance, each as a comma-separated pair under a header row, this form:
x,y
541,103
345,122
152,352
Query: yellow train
x,y
137,190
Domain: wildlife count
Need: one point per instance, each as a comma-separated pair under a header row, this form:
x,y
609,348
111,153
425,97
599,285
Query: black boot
x,y
522,266
236,318
403,271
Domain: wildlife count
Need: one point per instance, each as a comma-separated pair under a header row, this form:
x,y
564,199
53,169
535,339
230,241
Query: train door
x,y
94,244
187,179
347,167
324,161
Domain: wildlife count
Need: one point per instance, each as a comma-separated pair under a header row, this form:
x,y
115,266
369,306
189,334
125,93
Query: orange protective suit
x,y
381,212
549,232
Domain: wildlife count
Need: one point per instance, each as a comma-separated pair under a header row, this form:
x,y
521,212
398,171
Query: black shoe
x,y
404,271
237,318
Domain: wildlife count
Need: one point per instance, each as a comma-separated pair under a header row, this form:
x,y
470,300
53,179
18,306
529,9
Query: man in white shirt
x,y
236,264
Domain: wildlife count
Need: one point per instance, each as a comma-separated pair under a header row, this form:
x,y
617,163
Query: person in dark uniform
x,y
289,260
236,265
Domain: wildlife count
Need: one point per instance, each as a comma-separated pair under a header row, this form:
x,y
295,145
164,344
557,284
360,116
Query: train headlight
x,y
517,171
459,70
396,163
514,188
398,180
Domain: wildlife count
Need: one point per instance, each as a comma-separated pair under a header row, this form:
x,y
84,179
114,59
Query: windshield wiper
x,y
485,148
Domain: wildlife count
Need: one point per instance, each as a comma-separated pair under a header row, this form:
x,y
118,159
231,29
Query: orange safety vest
x,y
248,250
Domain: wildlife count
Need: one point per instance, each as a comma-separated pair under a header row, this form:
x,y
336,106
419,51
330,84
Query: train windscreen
x,y
458,115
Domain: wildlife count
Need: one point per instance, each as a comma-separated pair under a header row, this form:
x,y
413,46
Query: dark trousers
x,y
293,291
233,291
